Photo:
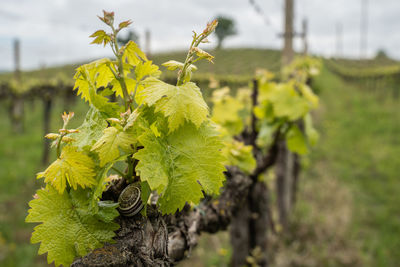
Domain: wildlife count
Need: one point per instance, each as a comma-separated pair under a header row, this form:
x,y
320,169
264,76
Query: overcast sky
x,y
54,32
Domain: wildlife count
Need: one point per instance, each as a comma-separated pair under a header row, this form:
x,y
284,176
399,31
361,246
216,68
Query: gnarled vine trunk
x,y
284,182
249,228
163,240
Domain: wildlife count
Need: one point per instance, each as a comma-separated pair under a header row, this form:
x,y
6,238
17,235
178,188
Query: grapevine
x,y
162,134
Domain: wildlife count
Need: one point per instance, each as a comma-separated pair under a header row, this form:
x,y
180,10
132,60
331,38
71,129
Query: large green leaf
x,y
68,228
182,164
73,167
288,103
178,103
310,131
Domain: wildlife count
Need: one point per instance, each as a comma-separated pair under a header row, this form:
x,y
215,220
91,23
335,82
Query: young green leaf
x,y
309,95
124,24
101,37
145,195
266,133
91,76
106,108
73,166
68,227
296,141
238,154
116,86
226,113
147,68
112,140
173,65
203,54
88,78
132,54
91,129
178,103
101,183
311,133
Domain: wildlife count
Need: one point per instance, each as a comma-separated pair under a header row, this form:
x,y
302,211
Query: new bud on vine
x,y
124,24
210,27
203,54
68,131
52,136
67,117
101,37
108,17
67,139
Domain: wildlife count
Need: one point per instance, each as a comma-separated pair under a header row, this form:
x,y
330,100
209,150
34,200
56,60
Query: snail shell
x,y
130,202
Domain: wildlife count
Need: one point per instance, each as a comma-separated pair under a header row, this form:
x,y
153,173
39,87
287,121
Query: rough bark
x,y
248,232
259,223
296,178
284,182
296,169
240,237
163,240
249,228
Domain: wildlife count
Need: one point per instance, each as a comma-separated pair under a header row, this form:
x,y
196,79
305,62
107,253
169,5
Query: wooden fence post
x,y
47,106
17,100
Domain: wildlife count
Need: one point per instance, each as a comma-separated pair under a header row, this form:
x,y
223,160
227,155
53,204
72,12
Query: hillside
x,y
240,61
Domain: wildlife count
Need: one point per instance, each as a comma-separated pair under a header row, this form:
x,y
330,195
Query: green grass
x,y
20,159
360,144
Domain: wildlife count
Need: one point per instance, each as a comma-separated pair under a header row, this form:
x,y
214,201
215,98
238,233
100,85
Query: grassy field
x,y
20,157
360,147
348,213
